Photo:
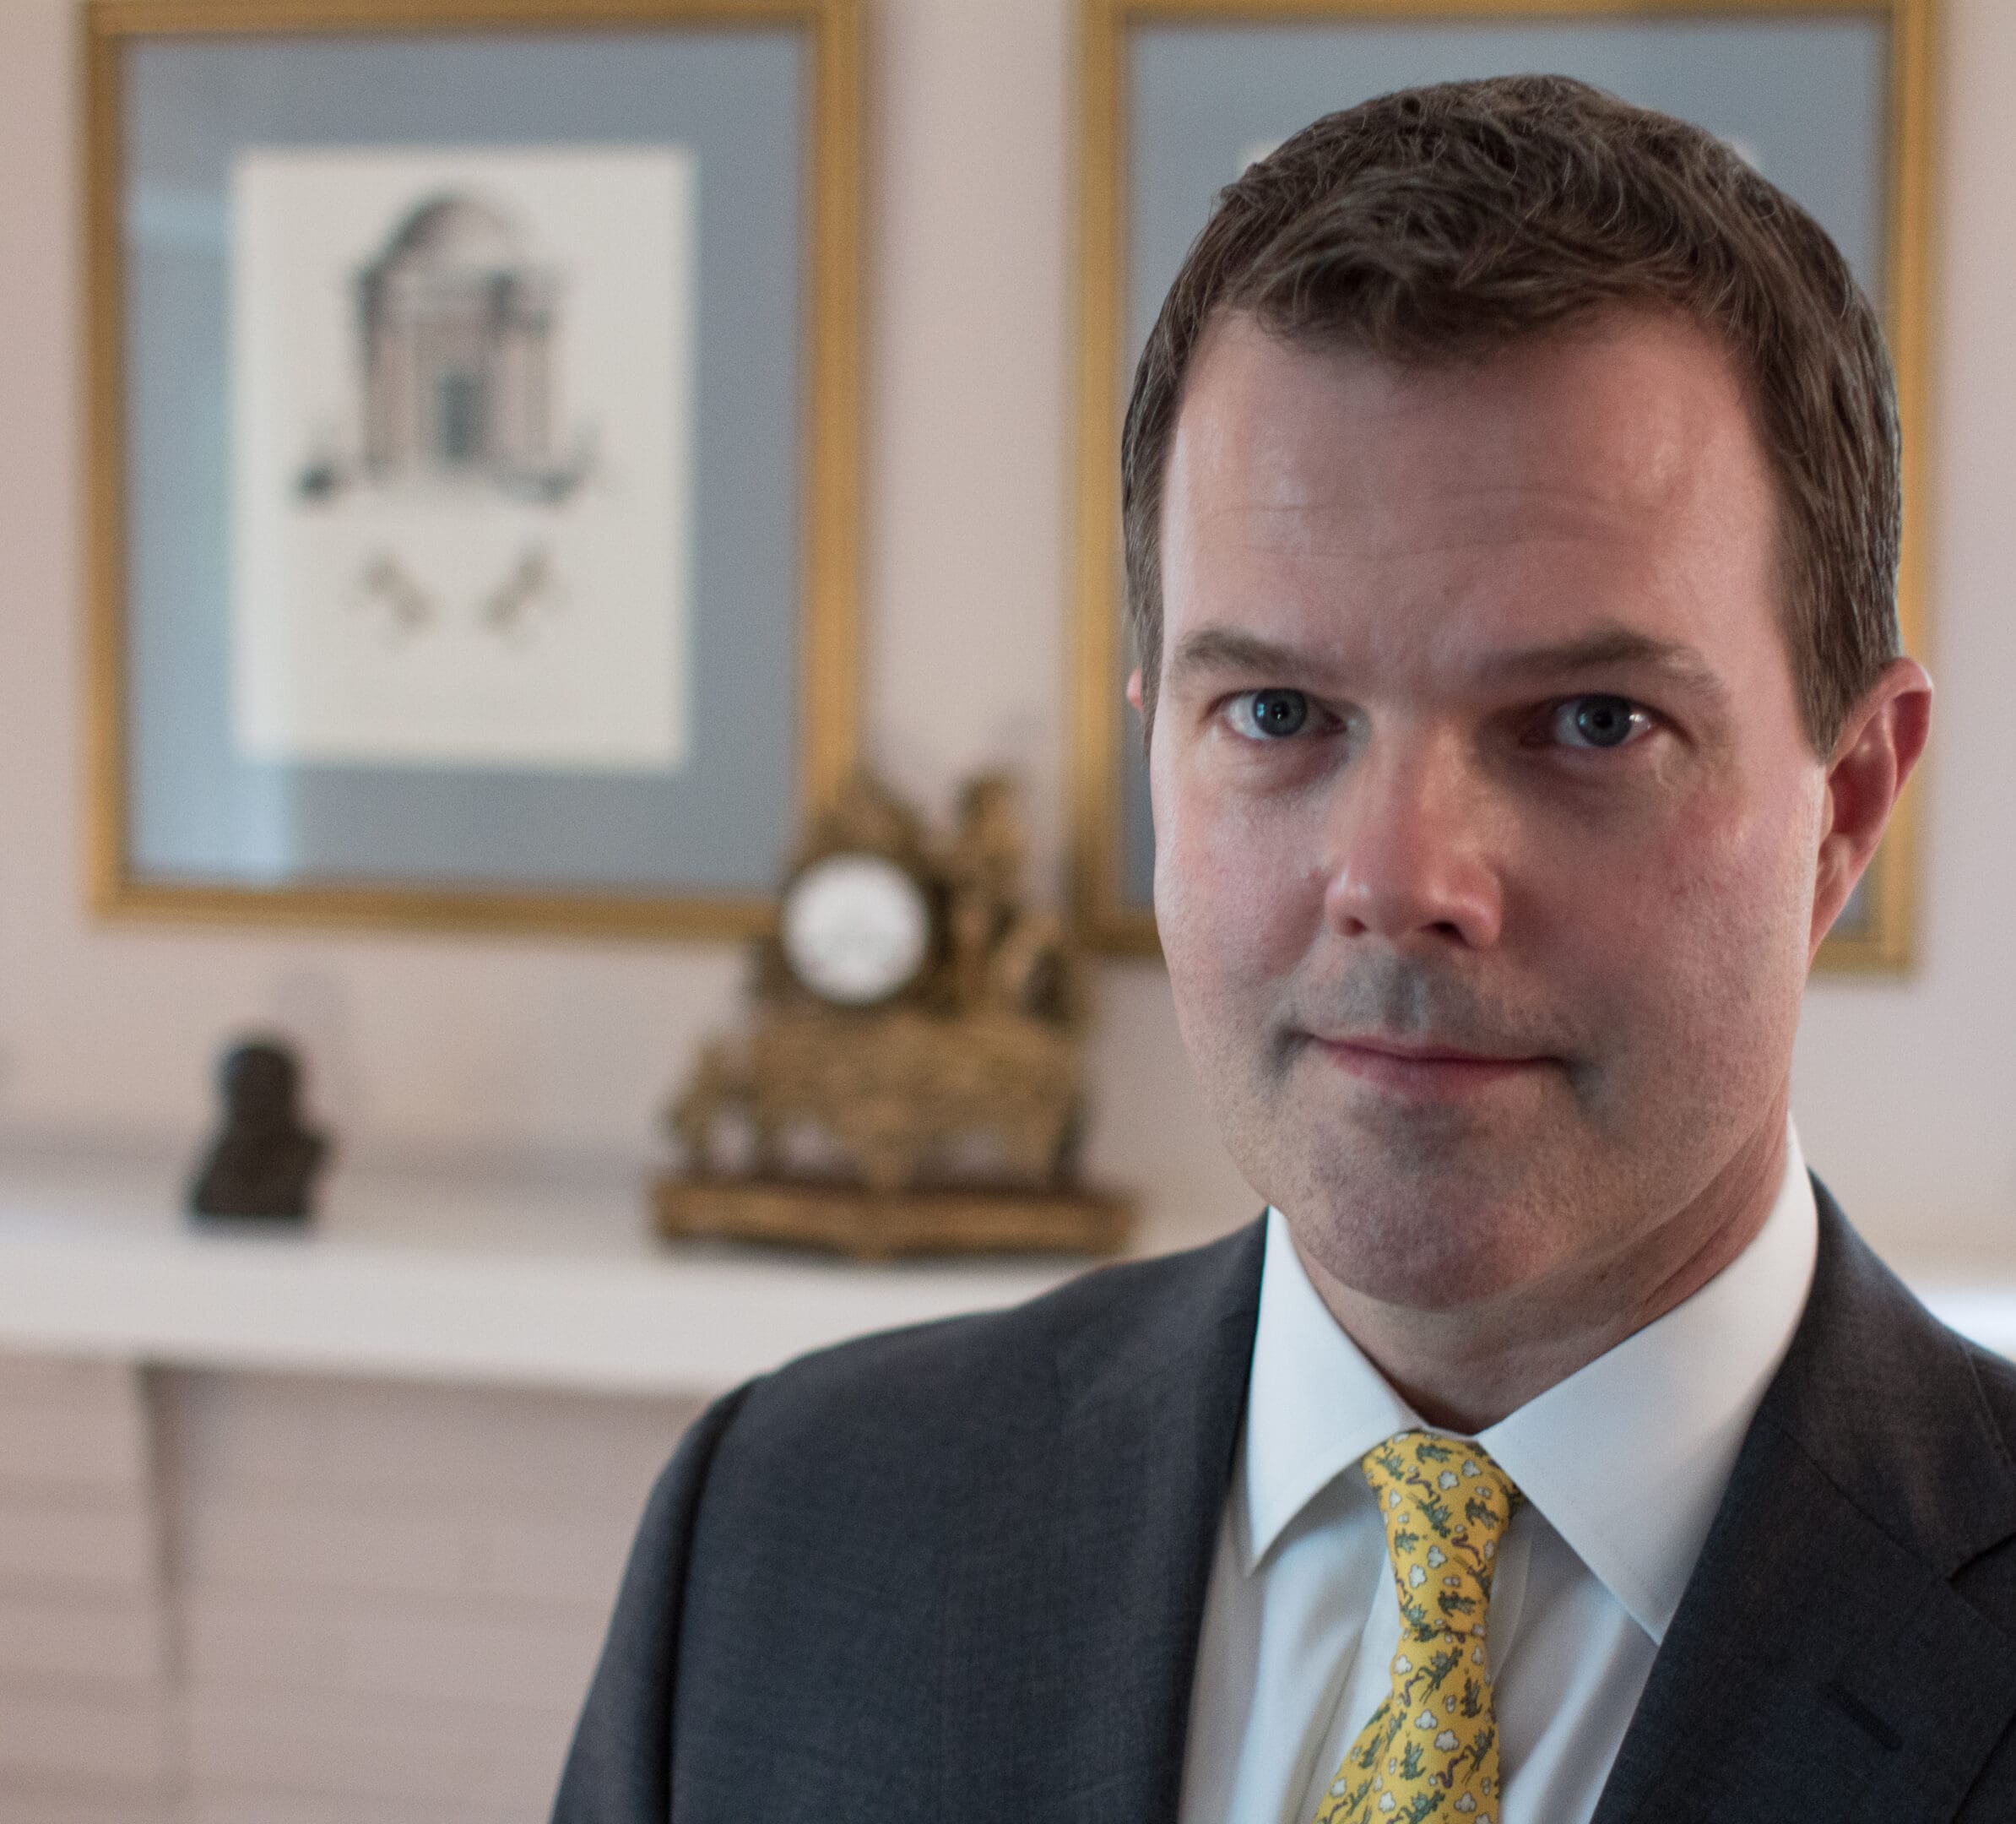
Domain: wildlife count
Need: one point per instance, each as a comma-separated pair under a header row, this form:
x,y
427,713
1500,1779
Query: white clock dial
x,y
856,928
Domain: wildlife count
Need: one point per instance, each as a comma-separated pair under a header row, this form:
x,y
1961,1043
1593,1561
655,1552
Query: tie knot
x,y
1445,1505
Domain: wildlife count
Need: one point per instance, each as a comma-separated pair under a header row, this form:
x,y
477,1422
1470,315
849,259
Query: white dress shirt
x,y
1622,1466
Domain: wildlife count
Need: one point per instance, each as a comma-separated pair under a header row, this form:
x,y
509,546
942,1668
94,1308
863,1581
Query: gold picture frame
x,y
1875,935
819,503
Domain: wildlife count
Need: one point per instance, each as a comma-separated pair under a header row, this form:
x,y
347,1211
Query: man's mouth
x,y
1424,1067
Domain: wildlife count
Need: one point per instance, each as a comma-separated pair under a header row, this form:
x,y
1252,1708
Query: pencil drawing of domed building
x,y
458,330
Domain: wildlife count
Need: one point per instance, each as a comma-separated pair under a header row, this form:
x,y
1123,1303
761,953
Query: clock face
x,y
856,928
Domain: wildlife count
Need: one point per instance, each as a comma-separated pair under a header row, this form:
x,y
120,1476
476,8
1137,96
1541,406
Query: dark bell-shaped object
x,y
263,1161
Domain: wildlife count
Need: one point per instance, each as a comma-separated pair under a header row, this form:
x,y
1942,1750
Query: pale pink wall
x,y
1906,1094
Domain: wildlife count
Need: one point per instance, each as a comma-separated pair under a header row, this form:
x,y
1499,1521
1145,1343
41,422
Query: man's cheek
x,y
1732,899
1233,909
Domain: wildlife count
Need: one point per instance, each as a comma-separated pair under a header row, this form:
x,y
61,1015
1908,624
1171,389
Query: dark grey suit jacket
x,y
957,1573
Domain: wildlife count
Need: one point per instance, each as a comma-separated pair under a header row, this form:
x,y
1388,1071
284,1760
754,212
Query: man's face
x,y
1486,822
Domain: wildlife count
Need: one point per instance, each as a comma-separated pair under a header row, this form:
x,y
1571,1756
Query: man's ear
x,y
1879,745
1134,688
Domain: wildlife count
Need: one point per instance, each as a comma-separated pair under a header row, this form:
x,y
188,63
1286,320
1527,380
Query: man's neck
x,y
1465,1369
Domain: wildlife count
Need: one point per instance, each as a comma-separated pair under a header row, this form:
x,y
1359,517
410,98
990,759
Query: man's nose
x,y
1411,846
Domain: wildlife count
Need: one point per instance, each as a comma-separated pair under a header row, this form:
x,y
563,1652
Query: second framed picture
x,y
1828,98
474,478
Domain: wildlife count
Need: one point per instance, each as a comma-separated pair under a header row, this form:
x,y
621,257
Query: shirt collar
x,y
1628,1459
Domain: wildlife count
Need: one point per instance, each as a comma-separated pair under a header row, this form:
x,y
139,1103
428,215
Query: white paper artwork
x,y
461,459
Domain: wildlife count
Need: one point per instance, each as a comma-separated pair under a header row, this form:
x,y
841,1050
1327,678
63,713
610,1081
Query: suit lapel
x,y
1072,1621
1821,1659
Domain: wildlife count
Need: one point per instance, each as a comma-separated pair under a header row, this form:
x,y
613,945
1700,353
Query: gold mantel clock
x,y
910,1079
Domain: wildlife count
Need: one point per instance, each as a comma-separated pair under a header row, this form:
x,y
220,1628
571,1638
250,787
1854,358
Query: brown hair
x,y
1438,223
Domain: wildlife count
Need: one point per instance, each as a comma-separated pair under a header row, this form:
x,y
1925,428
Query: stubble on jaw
x,y
1468,1365
1592,1181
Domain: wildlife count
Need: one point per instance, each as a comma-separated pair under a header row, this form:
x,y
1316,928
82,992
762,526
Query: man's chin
x,y
1436,1242
1446,1277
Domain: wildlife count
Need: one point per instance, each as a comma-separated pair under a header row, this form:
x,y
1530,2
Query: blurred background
x,y
363,1577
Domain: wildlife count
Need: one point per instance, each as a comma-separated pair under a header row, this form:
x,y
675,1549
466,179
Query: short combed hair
x,y
1440,224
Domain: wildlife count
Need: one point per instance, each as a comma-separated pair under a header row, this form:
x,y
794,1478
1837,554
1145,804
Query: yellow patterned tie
x,y
1431,1748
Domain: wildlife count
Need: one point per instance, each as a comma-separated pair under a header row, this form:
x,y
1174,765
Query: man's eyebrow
x,y
1220,648
1614,649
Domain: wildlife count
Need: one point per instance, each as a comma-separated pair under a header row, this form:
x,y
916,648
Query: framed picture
x,y
1828,97
473,456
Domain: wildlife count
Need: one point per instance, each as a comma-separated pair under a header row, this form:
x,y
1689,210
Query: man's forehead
x,y
1610,420
1598,505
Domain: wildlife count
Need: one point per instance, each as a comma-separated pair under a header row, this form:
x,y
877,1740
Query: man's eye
x,y
1598,722
1269,715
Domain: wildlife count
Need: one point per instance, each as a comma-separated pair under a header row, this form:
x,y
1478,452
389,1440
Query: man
x,y
1512,515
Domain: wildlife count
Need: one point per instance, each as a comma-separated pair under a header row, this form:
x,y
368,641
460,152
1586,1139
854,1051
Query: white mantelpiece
x,y
422,1279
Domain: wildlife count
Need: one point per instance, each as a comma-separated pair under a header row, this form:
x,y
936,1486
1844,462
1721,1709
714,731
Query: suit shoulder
x,y
960,1375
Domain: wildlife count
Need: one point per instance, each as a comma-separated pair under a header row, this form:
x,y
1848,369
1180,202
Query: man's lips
x,y
1424,1067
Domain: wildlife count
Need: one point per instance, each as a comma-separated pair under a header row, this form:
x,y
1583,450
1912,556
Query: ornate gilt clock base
x,y
878,1225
